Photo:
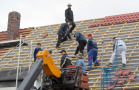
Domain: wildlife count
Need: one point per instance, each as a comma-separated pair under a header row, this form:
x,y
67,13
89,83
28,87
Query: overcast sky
x,y
45,12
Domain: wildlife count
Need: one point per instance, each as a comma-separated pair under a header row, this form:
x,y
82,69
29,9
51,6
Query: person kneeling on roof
x,y
63,33
65,60
92,52
80,62
119,46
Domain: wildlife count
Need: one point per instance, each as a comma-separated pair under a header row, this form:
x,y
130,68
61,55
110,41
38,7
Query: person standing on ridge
x,y
70,17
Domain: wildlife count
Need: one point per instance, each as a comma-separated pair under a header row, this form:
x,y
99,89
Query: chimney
x,y
13,25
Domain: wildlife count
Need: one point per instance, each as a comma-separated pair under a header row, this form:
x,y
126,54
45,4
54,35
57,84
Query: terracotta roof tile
x,y
130,17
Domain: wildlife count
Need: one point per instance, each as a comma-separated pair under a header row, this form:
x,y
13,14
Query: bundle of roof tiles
x,y
120,80
82,78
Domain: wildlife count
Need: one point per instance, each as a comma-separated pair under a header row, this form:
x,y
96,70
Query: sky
x,y
36,13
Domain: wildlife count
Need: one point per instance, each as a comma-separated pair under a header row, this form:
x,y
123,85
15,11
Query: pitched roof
x,y
3,37
130,17
125,30
23,32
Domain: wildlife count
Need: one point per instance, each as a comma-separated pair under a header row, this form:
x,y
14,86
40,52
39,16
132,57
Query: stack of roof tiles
x,y
121,77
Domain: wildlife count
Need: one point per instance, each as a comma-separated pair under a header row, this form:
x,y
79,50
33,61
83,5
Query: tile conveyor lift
x,y
108,73
58,79
116,76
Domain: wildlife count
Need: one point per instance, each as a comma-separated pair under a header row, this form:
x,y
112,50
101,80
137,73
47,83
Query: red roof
x,y
130,17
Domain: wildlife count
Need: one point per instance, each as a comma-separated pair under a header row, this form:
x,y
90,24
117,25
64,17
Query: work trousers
x,y
61,38
121,50
73,26
81,46
68,34
92,57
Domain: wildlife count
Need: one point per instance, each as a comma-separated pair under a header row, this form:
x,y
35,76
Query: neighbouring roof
x,y
3,38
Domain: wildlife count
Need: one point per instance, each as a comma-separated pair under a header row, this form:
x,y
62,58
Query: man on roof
x,y
80,62
62,33
36,50
65,60
80,38
69,17
92,52
119,47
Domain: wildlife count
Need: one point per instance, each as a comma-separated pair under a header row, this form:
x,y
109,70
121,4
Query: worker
x,y
36,50
80,62
119,46
69,17
80,38
65,60
92,52
62,33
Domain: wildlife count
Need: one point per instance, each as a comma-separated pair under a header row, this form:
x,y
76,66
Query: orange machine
x,y
50,69
69,78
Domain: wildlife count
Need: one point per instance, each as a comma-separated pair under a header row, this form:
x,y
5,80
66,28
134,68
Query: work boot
x,y
70,37
57,47
124,65
88,69
109,64
96,64
64,39
74,56
83,54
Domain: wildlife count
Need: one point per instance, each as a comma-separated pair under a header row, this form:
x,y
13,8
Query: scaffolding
x,y
110,75
18,61
108,72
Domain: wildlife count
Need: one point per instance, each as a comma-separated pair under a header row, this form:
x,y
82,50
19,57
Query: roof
x,y
130,17
23,32
125,30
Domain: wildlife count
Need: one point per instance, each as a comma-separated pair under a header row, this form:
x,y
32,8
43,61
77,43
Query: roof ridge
x,y
115,19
